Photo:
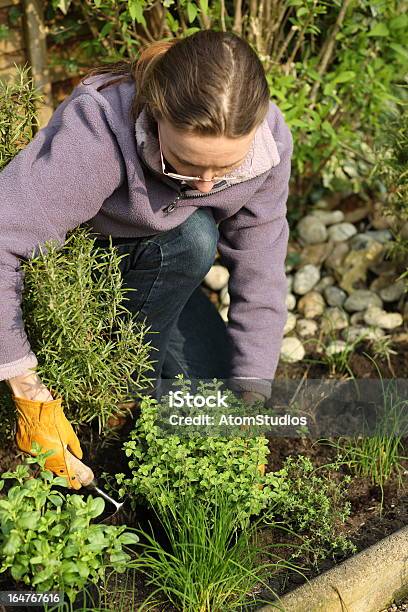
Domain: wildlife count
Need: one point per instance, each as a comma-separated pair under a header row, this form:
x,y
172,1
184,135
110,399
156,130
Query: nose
x,y
203,186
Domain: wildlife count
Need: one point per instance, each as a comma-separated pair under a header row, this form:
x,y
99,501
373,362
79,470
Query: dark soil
x,y
360,364
372,518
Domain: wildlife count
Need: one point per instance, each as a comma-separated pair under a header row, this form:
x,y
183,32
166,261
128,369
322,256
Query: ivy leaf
x,y
106,29
55,499
345,76
172,22
380,29
118,557
12,545
83,569
63,6
17,571
399,49
136,11
399,22
191,11
301,12
60,481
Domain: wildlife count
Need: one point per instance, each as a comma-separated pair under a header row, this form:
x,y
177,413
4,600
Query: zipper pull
x,y
172,205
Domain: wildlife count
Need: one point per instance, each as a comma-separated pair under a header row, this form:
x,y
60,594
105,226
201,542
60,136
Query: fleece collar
x,y
262,156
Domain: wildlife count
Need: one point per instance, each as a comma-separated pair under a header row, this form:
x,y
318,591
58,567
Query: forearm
x,y
30,387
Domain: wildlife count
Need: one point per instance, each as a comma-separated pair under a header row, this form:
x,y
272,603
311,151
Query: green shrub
x,y
164,466
18,120
392,174
159,459
90,350
392,162
47,540
314,507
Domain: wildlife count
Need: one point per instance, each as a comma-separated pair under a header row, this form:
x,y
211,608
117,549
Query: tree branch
x,y
237,27
327,51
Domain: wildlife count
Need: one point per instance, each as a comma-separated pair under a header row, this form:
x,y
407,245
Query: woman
x,y
173,156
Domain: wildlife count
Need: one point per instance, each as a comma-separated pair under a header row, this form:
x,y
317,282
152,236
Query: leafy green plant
x,y
337,361
382,349
392,160
18,120
165,466
195,460
47,539
379,456
392,174
211,562
314,507
90,350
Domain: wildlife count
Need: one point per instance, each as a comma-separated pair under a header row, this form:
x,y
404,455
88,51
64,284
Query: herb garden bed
x,y
365,526
374,515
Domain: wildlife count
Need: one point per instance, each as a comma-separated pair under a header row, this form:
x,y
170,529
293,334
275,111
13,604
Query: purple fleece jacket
x,y
91,164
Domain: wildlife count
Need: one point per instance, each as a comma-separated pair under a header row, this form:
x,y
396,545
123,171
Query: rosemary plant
x,y
90,350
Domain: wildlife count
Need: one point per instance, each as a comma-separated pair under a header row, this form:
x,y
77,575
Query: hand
x,y
250,397
44,421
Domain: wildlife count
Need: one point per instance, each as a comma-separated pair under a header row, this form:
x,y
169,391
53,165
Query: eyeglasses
x,y
229,175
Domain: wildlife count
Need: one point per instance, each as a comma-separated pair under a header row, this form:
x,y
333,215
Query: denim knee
x,y
199,234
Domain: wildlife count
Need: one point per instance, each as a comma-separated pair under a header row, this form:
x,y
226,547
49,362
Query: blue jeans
x,y
167,270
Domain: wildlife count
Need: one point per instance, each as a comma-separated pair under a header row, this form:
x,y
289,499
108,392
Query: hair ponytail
x,y
144,67
209,83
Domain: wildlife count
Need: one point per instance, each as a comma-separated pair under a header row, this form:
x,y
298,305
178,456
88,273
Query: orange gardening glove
x,y
46,424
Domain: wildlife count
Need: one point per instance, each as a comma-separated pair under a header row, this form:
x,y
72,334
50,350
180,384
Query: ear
x,y
155,114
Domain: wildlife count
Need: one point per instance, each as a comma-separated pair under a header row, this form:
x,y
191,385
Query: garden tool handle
x,y
84,474
93,484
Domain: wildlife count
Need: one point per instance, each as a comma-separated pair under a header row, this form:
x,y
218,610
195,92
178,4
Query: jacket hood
x,y
262,156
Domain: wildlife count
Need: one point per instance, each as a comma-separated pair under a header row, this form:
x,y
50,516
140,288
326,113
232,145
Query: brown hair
x,y
209,83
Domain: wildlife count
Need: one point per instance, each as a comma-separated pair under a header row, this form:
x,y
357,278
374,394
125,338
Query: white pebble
x,y
290,301
311,230
290,323
341,231
328,216
216,278
306,327
381,318
289,278
305,279
225,296
334,318
224,313
353,333
292,349
393,292
337,346
311,305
